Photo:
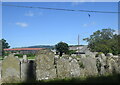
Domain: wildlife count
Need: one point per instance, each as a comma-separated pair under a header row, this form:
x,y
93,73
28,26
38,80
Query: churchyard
x,y
46,68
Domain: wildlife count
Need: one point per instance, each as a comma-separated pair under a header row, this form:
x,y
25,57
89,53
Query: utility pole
x,y
78,43
78,39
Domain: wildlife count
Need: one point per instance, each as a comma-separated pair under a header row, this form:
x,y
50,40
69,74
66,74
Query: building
x,y
23,50
82,49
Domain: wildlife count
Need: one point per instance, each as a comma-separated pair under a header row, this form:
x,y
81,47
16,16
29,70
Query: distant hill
x,y
46,46
41,46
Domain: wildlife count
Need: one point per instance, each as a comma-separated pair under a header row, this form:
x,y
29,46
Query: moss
x,y
98,54
81,65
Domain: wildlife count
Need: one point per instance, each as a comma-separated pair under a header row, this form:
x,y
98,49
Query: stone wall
x,y
48,66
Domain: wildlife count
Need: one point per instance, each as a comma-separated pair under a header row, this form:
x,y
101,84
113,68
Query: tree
x,y
3,45
103,41
62,47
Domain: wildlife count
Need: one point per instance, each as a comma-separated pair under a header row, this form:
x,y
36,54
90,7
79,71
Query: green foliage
x,y
3,45
71,52
30,56
62,48
104,41
19,55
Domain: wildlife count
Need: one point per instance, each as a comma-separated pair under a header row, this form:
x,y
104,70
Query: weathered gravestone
x,y
101,63
24,68
119,64
113,66
28,71
25,58
45,68
0,69
24,71
88,65
75,68
10,69
63,68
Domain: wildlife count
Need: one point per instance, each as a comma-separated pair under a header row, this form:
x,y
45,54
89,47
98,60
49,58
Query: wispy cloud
x,y
29,13
40,13
89,24
22,24
78,2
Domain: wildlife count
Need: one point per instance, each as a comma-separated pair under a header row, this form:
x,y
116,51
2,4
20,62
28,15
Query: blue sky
x,y
28,26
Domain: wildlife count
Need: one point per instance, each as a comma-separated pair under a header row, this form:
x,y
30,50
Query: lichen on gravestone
x,y
63,68
45,68
90,67
10,69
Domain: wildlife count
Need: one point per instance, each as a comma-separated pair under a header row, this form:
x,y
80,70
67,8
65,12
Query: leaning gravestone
x,y
45,68
10,69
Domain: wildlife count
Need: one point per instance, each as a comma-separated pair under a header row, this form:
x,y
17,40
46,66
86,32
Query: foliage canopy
x,y
62,47
105,41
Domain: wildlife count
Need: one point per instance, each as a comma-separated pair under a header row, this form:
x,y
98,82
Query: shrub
x,y
19,55
30,55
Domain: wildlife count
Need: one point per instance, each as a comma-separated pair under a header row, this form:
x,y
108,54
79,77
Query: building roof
x,y
19,49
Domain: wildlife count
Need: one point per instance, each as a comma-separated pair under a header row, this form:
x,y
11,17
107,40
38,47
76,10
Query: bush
x,y
30,55
19,55
71,52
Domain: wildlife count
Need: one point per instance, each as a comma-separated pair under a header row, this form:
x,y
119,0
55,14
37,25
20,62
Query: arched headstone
x,y
10,69
45,68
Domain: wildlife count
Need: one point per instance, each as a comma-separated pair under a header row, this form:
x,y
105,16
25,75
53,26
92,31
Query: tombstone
x,y
109,55
63,68
73,54
0,69
75,68
24,71
25,58
28,71
82,55
89,65
16,56
5,57
10,69
102,56
70,58
45,68
113,66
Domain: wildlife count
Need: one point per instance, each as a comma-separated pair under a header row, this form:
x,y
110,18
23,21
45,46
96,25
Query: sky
x,y
31,26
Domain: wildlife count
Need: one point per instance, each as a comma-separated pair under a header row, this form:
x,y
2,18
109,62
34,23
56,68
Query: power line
x,y
61,9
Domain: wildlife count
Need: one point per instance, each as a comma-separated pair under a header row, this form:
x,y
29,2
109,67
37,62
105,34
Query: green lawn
x,y
110,79
31,57
0,57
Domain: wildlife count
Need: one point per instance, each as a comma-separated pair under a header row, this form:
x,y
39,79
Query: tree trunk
x,y
60,53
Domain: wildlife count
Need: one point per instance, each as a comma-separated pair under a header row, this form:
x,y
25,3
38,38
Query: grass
x,y
1,58
31,57
109,79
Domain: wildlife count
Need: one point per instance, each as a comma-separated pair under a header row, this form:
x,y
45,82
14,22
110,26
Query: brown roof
x,y
18,49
